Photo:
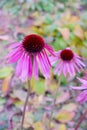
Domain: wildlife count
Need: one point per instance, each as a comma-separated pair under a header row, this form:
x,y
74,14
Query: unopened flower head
x,y
68,62
31,53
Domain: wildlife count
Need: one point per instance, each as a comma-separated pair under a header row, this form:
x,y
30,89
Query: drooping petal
x,y
53,59
64,70
79,88
80,62
30,67
68,69
76,67
49,49
72,70
46,58
15,58
82,80
60,65
35,67
19,66
43,66
13,52
45,62
14,45
79,66
25,68
82,97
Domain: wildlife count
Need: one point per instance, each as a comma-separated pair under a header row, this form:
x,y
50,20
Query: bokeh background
x,y
62,23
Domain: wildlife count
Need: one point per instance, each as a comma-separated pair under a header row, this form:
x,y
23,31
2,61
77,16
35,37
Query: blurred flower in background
x,y
82,97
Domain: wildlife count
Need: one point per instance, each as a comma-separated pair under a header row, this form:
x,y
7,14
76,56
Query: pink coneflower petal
x,y
60,71
25,68
35,67
80,62
50,49
53,59
43,66
68,69
64,70
14,45
82,97
58,66
72,69
76,67
46,58
15,57
79,88
30,67
82,80
79,65
45,62
12,53
19,65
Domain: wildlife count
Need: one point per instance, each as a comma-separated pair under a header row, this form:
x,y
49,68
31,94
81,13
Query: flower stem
x,y
26,101
80,120
53,107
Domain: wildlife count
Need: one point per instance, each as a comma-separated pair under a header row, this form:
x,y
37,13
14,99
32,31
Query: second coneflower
x,y
68,62
31,53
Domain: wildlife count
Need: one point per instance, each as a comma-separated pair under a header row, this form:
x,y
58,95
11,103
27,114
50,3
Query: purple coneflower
x,y
68,62
30,53
82,97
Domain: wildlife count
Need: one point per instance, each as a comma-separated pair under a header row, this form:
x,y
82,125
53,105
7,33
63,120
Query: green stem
x,y
53,107
26,101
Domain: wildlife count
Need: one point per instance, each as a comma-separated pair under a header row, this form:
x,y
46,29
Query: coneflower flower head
x,y
68,62
31,53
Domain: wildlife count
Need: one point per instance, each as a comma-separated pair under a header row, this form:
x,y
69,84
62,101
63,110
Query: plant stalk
x,y
25,105
53,107
80,120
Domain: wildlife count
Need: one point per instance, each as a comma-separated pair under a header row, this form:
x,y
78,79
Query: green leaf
x,y
48,19
85,43
59,44
84,52
4,72
63,80
2,101
39,87
65,116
